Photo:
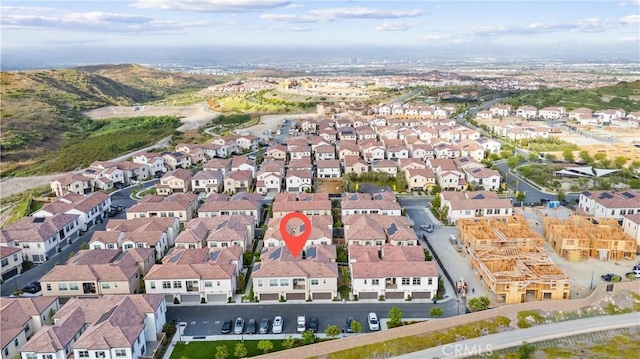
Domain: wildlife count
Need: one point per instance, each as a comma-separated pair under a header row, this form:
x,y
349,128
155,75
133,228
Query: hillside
x,y
41,110
624,95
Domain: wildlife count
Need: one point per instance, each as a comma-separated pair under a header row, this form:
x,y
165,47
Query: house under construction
x,y
510,260
499,232
579,238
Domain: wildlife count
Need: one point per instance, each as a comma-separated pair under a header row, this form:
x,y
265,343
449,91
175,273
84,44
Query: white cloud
x,y
395,26
631,19
329,15
629,3
93,21
211,5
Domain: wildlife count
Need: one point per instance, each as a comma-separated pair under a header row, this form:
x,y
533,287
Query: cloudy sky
x,y
419,23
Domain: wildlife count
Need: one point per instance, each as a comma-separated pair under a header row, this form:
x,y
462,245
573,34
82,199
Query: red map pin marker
x,y
295,243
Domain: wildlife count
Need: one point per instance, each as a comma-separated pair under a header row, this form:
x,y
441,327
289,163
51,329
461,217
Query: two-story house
x,y
175,181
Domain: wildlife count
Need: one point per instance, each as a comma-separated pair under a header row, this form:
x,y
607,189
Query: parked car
x,y
610,277
226,326
313,324
252,327
427,228
36,284
31,289
348,326
238,328
278,323
636,267
374,324
265,324
635,274
302,324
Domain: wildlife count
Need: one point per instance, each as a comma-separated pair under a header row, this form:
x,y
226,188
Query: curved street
x,y
487,344
118,198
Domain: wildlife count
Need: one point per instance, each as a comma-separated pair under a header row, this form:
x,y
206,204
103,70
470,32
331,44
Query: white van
x,y
374,324
302,324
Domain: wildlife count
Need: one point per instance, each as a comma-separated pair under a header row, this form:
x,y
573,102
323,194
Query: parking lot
x,y
206,320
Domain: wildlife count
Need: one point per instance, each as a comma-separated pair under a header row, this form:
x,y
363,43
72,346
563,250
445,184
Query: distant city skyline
x,y
525,27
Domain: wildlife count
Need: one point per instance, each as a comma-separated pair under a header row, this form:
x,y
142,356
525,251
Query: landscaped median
x,y
407,339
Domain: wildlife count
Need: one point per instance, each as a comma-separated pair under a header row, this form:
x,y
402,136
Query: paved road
x,y
119,198
534,195
207,319
489,343
456,264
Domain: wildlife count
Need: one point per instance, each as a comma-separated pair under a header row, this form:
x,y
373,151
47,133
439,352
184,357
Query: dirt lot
x,y
10,186
192,116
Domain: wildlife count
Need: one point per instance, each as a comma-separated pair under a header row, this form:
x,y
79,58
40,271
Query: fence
x,y
332,346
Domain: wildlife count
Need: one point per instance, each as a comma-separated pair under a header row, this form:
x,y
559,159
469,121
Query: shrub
x,y
176,300
381,298
282,299
203,301
408,298
355,297
395,317
436,312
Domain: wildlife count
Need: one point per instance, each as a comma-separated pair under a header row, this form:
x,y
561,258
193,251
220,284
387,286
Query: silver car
x,y
238,328
278,323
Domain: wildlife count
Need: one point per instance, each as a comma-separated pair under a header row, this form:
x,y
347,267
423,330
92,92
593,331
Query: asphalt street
x,y
207,320
489,343
119,198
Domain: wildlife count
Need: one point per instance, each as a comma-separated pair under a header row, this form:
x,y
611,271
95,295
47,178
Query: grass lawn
x,y
207,349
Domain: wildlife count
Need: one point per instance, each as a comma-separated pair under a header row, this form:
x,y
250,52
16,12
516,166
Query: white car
x,y
302,324
278,323
374,324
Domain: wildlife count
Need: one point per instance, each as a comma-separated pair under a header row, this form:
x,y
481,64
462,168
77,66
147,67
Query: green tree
x,y
478,303
240,350
444,213
84,245
533,157
356,327
395,316
288,342
521,196
551,157
240,282
526,351
259,155
561,196
514,161
401,182
427,255
308,337
222,352
265,345
437,202
619,162
332,331
586,157
634,165
568,155
436,312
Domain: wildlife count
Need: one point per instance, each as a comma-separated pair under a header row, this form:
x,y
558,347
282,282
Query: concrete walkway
x,y
490,343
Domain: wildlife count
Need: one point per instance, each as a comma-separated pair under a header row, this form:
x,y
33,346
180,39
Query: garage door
x,y
421,295
216,298
269,296
368,295
394,295
190,298
321,295
10,273
295,296
169,298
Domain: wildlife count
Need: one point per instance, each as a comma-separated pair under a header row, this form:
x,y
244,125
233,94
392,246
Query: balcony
x,y
390,283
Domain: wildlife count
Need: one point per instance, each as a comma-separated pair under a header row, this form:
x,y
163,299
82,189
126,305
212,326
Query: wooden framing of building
x,y
509,258
579,238
499,232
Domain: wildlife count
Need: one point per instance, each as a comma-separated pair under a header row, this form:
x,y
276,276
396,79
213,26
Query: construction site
x,y
579,238
510,260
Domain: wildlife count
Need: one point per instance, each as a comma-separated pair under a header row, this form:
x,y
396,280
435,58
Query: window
x,y
106,286
166,284
416,281
284,282
6,353
406,281
375,282
100,354
259,282
5,262
48,287
29,356
273,282
314,282
177,284
15,256
121,352
25,245
73,286
430,281
47,356
152,285
62,286
15,342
